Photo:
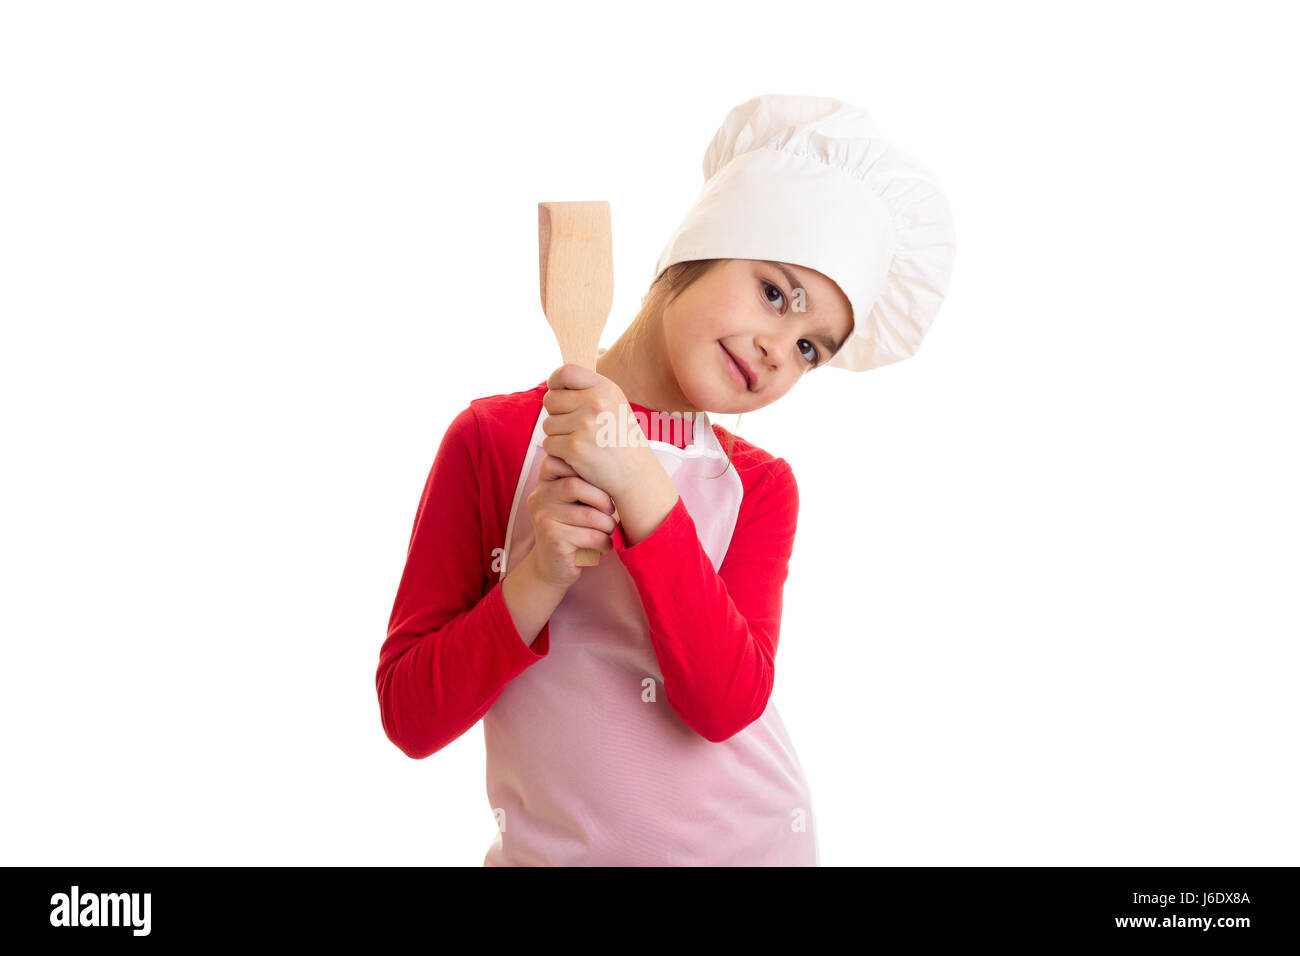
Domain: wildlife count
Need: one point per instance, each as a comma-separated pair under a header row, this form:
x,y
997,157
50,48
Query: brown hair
x,y
667,286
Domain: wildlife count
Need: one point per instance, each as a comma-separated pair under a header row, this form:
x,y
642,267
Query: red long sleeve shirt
x,y
452,646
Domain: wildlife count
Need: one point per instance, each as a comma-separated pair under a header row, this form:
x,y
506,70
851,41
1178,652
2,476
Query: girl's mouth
x,y
737,372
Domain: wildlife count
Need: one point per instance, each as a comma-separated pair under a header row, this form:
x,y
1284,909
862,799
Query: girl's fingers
x,y
553,467
583,492
570,487
580,516
593,539
577,516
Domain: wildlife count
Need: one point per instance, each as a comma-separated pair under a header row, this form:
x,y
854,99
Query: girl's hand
x,y
568,513
587,415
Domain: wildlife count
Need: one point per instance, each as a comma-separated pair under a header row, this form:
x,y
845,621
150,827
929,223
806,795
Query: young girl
x,y
625,704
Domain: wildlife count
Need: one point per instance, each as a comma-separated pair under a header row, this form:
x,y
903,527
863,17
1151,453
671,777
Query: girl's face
x,y
736,339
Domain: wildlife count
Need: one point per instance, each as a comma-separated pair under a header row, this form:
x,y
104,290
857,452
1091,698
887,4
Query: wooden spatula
x,y
577,272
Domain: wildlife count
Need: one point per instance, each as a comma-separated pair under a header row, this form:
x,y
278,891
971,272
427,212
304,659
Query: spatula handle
x,y
576,269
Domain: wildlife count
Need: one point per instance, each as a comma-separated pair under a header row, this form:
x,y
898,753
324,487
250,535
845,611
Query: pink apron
x,y
587,762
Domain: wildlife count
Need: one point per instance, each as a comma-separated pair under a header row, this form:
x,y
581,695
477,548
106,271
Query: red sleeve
x,y
717,649
452,646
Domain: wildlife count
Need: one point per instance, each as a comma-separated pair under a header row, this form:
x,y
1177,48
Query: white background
x,y
254,257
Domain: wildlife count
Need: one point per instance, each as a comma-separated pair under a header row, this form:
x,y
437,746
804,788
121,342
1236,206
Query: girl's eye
x,y
780,294
816,353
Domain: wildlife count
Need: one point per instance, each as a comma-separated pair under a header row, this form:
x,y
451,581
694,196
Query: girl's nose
x,y
767,347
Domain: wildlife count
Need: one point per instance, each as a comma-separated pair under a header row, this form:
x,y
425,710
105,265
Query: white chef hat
x,y
809,180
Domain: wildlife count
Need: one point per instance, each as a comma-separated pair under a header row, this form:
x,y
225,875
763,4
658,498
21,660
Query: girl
x,y
625,705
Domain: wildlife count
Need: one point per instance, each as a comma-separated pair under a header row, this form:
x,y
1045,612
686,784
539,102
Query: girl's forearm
x,y
529,599
643,507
